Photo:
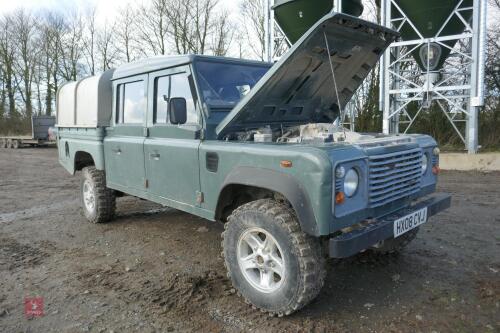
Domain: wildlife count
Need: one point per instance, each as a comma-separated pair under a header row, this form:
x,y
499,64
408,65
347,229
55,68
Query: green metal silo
x,y
428,16
295,17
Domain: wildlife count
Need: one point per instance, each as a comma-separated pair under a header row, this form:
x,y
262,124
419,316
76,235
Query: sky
x,y
106,9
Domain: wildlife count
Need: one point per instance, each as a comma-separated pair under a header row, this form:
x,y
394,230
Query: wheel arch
x,y
82,159
244,184
75,154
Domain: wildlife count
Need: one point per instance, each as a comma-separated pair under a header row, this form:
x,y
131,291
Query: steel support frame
x,y
460,91
276,43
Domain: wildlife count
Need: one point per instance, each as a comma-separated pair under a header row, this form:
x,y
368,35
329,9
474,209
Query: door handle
x,y
155,156
117,151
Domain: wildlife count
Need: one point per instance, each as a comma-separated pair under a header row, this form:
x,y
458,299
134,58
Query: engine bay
x,y
313,133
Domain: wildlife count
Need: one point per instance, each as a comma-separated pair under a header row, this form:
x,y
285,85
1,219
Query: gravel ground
x,y
156,269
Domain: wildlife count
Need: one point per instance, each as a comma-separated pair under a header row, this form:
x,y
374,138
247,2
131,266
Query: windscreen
x,y
225,84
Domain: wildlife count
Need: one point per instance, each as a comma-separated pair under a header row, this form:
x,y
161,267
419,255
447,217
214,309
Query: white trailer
x,y
39,134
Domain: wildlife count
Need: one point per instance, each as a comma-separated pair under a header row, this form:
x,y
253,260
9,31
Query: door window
x,y
131,103
173,86
180,87
162,92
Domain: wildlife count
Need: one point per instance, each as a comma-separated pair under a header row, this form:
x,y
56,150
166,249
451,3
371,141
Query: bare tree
x,y
89,38
51,28
202,17
106,47
181,24
254,26
27,52
223,35
71,48
125,33
153,27
7,55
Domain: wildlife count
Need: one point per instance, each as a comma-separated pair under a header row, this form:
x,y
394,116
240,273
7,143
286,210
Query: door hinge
x,y
199,197
146,183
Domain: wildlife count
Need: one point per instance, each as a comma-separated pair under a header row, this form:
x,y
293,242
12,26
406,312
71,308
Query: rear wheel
x,y
14,144
274,265
98,201
396,245
9,143
3,143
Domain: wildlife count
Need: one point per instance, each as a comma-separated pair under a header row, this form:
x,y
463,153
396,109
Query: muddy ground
x,y
156,269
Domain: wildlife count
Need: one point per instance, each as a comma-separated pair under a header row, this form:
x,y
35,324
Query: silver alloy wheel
x,y
88,196
261,260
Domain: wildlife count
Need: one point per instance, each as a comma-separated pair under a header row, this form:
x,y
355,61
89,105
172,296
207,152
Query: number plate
x,y
410,221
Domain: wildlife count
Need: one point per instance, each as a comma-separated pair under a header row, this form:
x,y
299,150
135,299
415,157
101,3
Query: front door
x,y
124,142
171,151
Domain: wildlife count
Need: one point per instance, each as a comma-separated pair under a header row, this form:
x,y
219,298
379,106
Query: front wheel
x,y
270,261
98,201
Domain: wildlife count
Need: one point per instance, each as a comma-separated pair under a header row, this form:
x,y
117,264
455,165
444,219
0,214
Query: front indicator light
x,y
436,170
339,198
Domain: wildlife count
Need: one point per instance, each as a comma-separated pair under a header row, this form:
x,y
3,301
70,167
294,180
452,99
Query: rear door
x,y
171,151
124,142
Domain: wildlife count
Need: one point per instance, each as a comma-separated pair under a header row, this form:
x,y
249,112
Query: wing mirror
x,y
177,111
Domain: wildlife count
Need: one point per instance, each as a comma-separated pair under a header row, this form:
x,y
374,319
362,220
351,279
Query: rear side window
x,y
131,103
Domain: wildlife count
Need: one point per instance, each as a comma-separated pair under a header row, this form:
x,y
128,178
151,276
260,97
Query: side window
x,y
180,87
162,85
131,103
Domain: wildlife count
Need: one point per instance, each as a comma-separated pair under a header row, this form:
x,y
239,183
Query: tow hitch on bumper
x,y
353,242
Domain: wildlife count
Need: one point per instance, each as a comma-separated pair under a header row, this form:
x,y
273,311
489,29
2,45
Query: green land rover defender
x,y
260,148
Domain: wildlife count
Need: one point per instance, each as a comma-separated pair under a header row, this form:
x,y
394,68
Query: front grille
x,y
394,176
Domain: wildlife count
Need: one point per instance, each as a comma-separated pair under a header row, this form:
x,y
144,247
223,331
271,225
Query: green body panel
x,y
311,168
73,140
167,163
171,153
172,168
124,157
295,17
428,16
124,148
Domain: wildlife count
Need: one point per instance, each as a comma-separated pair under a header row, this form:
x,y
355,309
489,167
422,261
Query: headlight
x,y
351,182
425,163
436,151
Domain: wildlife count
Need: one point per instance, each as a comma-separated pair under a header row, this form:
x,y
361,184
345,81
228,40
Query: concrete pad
x,y
464,162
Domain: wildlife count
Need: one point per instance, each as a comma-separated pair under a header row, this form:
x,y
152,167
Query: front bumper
x,y
353,242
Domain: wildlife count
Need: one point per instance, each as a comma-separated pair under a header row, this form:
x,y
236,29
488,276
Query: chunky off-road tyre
x,y
396,245
3,143
272,264
98,201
